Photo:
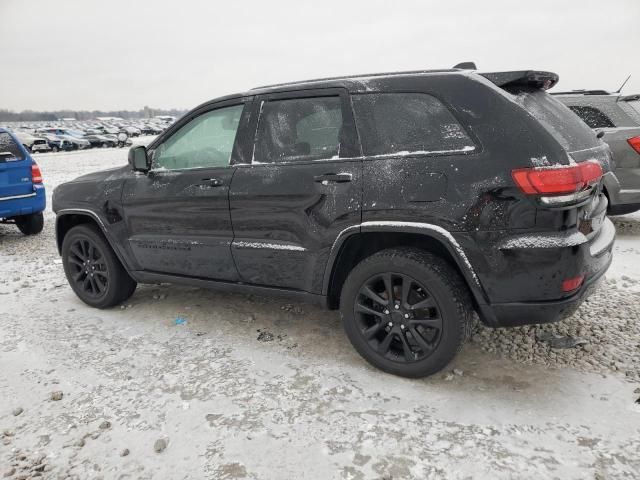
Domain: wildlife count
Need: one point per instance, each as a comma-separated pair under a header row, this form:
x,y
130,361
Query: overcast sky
x,y
124,54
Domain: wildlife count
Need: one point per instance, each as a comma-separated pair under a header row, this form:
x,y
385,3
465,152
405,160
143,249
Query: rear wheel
x,y
54,149
30,224
93,270
406,311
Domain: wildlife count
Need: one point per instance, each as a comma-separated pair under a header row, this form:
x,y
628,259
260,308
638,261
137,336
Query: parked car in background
x,y
100,141
22,194
32,143
56,143
76,142
617,117
131,131
406,200
150,129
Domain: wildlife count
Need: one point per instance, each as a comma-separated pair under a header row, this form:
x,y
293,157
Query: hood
x,y
102,175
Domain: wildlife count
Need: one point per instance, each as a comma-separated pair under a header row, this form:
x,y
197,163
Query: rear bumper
x,y
23,205
532,279
530,313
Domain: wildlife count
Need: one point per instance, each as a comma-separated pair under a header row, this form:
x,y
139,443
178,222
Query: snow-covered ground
x,y
253,387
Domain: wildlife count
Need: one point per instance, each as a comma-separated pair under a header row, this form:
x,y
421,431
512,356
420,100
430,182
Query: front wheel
x,y
30,224
406,311
93,270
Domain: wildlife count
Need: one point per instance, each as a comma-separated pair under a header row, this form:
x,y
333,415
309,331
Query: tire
x,y
93,270
54,149
427,329
30,224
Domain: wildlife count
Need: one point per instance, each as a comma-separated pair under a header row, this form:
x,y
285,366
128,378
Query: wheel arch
x,y
355,244
67,219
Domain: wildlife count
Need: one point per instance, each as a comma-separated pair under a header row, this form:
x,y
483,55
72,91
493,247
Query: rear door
x,y
15,169
302,188
178,214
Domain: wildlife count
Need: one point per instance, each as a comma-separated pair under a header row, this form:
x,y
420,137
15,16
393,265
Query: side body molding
x,y
427,229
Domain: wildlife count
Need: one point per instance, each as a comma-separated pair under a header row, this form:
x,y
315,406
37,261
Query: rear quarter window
x,y
592,116
8,145
407,123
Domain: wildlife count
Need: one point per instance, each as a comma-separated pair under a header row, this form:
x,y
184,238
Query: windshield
x,y
565,126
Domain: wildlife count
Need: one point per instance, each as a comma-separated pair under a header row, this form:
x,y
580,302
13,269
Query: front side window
x,y
206,141
592,116
299,129
407,123
8,146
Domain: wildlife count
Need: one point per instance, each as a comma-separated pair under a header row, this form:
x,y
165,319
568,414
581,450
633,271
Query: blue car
x,y
22,195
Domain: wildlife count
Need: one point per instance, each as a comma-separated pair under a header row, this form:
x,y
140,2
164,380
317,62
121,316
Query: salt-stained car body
x,y
406,200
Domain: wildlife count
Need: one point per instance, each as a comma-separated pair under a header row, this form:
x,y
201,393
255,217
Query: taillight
x,y
557,180
635,143
36,174
571,284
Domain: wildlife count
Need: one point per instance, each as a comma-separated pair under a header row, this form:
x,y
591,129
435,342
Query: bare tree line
x,y
34,115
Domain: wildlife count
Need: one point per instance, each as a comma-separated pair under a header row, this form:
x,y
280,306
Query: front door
x,y
302,188
178,214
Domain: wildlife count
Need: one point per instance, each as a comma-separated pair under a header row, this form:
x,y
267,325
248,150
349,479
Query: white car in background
x,y
32,143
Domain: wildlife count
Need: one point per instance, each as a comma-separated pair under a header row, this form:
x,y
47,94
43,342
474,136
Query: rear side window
x,y
299,129
592,116
406,123
9,146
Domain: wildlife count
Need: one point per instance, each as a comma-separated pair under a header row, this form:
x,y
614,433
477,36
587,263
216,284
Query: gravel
x,y
298,399
160,445
56,396
604,333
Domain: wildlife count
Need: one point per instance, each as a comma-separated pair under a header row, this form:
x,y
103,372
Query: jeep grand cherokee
x,y
406,200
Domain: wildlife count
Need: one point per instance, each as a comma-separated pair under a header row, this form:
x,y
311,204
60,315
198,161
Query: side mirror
x,y
600,134
139,159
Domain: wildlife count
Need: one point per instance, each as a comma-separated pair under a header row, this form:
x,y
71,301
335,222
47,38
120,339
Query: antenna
x,y
623,84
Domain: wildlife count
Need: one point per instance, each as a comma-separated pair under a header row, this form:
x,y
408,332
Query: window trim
x,y
236,151
352,150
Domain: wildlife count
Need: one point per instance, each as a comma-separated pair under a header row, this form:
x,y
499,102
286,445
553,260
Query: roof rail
x,y
583,92
356,77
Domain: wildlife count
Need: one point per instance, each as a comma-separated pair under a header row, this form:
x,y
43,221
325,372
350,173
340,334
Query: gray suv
x,y
616,118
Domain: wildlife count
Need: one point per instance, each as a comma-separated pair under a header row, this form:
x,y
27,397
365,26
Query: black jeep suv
x,y
406,200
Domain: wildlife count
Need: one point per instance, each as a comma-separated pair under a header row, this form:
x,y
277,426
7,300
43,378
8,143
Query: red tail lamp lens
x,y
36,174
557,180
635,143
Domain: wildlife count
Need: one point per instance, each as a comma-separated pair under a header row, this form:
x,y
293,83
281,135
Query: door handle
x,y
333,178
211,182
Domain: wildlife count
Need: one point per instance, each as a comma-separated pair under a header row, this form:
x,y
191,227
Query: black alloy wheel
x,y
398,317
88,268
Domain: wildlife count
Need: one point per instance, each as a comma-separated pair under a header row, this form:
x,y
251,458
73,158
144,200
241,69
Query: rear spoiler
x,y
524,78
